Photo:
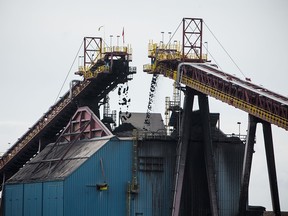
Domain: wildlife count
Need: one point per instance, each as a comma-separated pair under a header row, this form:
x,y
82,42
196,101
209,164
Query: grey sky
x,y
39,40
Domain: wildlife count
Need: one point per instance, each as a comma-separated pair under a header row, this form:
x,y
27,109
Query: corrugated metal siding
x,y
33,196
13,203
80,187
53,198
78,195
34,199
156,182
228,166
228,160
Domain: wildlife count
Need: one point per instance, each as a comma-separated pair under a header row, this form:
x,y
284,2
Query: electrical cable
x,y
213,58
69,71
225,50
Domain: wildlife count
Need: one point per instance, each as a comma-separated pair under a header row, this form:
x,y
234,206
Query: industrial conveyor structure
x,y
103,69
197,73
186,64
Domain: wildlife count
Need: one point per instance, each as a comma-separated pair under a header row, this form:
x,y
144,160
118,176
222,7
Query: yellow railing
x,y
233,101
147,68
125,49
195,56
88,74
176,46
170,51
82,69
103,69
224,97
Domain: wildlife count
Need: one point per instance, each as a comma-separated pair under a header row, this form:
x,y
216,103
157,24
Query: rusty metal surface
x,y
46,167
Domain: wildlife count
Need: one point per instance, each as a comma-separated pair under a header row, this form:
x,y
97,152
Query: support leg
x,y
246,170
271,167
182,150
208,152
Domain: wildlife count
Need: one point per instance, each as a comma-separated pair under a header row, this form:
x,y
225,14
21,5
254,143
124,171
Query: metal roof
x,y
52,167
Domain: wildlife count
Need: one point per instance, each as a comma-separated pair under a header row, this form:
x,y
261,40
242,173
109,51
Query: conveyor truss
x,y
198,74
103,69
187,65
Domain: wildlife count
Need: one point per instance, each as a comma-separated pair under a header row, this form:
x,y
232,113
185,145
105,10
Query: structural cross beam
x,y
247,163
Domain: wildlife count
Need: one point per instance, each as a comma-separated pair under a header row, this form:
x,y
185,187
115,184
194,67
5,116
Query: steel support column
x,y
249,149
208,152
271,167
182,150
246,170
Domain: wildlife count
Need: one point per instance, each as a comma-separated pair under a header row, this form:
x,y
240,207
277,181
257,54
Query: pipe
x,y
71,87
178,71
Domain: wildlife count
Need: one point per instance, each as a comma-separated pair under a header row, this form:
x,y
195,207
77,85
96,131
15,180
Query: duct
x,y
71,88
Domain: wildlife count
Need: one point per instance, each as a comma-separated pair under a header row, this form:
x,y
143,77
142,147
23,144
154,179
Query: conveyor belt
x,y
251,98
254,99
84,93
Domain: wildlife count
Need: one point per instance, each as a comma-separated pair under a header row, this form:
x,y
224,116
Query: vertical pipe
x,y
246,170
85,48
183,38
167,114
201,27
267,132
71,85
100,48
208,152
128,213
39,146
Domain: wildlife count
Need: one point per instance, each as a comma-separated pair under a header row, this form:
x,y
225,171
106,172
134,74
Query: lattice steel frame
x,y
92,50
192,38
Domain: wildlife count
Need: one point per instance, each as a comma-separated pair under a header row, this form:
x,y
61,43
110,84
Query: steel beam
x,y
182,150
208,152
192,38
249,150
271,167
246,170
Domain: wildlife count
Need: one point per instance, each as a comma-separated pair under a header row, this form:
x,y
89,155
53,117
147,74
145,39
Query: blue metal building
x,y
71,188
94,177
110,175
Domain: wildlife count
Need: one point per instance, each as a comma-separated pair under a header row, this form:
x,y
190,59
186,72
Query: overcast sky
x,y
39,40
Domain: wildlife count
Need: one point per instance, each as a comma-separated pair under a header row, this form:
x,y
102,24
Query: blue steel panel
x,y
229,160
155,195
80,187
33,199
53,198
13,200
